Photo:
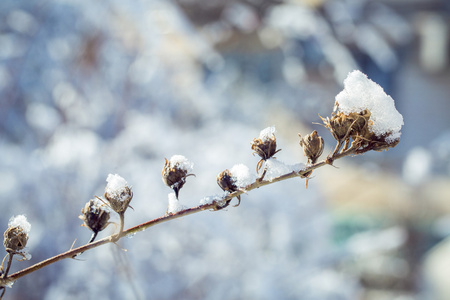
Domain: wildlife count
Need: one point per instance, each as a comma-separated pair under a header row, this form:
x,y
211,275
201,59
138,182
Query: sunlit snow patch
x,y
361,93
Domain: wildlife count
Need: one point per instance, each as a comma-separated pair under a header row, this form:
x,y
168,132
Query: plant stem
x,y
94,235
189,211
8,265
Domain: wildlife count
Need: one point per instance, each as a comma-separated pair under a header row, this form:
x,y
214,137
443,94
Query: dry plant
x,y
364,119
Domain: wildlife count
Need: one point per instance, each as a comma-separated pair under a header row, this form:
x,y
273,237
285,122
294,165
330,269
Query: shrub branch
x,y
215,205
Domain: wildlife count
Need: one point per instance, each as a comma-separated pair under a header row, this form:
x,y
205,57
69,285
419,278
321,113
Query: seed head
x,y
118,193
339,125
95,215
265,145
226,182
312,145
16,236
175,171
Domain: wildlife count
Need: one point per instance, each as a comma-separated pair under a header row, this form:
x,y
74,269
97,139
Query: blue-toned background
x,y
89,88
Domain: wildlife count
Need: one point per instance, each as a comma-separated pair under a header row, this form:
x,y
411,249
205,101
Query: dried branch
x,y
347,123
216,205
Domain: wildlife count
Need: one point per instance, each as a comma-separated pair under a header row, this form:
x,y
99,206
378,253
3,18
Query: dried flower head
x,y
118,193
366,114
95,215
235,179
175,171
226,182
356,126
265,145
339,125
16,236
312,145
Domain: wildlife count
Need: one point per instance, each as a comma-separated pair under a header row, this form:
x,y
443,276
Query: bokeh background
x,y
89,88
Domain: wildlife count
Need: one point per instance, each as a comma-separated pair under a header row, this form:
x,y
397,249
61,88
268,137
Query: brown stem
x,y
336,150
8,265
117,237
189,211
263,173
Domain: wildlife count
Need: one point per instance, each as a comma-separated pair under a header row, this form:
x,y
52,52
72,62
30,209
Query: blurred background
x,y
89,88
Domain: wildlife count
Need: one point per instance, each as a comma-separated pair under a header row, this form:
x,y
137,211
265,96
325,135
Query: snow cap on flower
x,y
16,236
118,193
175,171
267,133
365,114
235,179
265,145
361,94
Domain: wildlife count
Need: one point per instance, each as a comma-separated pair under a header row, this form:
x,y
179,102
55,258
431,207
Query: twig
x,y
189,211
8,265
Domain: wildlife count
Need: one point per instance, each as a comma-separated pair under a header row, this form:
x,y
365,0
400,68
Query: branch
x,y
189,211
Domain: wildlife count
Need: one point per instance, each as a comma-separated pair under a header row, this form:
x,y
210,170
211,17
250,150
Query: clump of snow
x,y
267,133
20,221
241,175
213,198
276,168
182,163
298,167
361,93
115,186
98,205
174,204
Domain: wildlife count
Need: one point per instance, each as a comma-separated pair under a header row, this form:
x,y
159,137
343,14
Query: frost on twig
x,y
174,204
276,168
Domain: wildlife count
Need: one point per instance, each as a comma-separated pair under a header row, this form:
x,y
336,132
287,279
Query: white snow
x,y
182,162
213,198
174,204
276,168
267,133
361,93
95,208
115,185
20,221
241,175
